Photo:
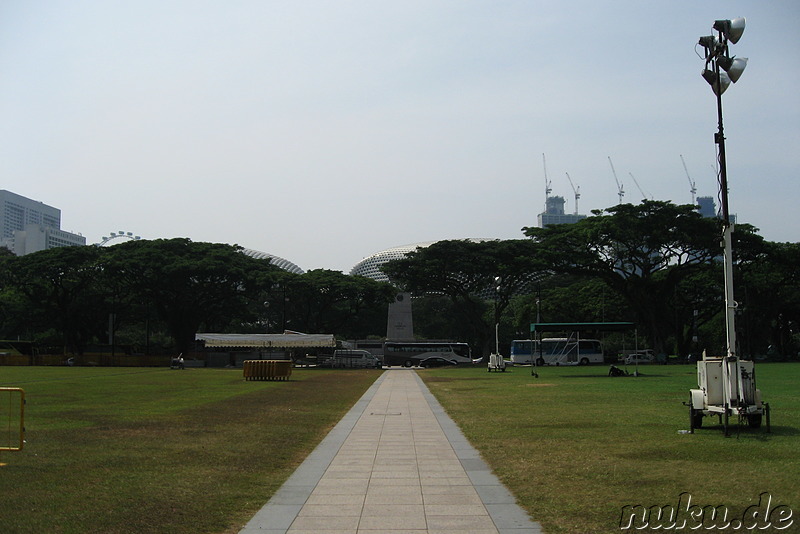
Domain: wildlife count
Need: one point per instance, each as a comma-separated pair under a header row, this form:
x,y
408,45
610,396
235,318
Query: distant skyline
x,y
325,131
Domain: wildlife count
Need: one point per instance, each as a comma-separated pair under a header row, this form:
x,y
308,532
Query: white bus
x,y
411,353
556,351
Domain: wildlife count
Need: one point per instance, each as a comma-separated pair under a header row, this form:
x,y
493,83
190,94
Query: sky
x,y
325,131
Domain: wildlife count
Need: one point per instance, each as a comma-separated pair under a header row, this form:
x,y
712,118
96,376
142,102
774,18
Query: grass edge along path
x,y
160,451
575,446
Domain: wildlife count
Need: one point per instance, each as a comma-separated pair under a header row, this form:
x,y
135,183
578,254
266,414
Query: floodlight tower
x,y
738,377
718,60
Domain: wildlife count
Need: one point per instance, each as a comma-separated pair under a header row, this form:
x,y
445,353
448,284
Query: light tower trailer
x,y
727,387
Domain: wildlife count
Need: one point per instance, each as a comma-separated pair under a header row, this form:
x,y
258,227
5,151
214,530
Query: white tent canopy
x,y
278,341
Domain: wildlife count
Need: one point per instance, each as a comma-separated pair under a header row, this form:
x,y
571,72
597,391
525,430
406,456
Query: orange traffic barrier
x,y
267,369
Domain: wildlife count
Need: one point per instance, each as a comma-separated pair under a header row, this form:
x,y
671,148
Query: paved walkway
x,y
395,464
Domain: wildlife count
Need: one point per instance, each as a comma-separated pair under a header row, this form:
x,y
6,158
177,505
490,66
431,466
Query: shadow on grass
x,y
455,378
605,375
742,431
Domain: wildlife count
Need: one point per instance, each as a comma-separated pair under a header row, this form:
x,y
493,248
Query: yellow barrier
x,y
267,369
15,435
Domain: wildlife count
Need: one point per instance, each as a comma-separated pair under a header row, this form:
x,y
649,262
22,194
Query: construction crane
x,y
693,187
576,191
644,196
547,183
620,190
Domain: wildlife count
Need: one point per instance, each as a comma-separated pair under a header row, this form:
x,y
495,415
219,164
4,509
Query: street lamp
x,y
722,69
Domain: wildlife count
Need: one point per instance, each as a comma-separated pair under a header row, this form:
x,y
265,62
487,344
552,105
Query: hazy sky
x,y
324,131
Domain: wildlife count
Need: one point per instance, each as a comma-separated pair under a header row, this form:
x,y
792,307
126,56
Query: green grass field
x,y
575,445
117,450
125,450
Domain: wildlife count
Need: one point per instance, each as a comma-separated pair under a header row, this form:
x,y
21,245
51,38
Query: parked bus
x,y
410,354
556,351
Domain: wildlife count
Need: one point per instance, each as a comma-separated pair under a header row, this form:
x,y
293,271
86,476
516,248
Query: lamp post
x,y
534,372
720,70
498,281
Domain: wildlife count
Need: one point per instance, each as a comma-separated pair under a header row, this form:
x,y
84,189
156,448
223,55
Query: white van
x,y
355,359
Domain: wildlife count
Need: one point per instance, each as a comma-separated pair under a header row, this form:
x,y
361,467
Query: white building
x,y
30,226
370,266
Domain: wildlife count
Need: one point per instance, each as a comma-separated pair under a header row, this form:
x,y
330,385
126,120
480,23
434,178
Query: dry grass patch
x,y
162,451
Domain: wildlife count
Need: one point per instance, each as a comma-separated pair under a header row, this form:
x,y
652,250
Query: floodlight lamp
x,y
734,66
709,42
718,83
732,29
722,26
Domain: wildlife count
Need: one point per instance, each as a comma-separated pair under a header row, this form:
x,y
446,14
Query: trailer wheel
x,y
539,362
697,418
754,420
584,361
408,363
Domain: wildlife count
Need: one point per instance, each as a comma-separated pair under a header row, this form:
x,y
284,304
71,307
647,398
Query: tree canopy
x,y
655,263
189,283
185,286
471,273
56,289
660,257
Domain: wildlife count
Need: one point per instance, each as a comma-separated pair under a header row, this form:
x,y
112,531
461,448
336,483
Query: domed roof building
x,y
370,266
286,265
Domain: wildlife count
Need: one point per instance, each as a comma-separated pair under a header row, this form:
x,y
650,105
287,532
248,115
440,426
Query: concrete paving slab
x,y
395,464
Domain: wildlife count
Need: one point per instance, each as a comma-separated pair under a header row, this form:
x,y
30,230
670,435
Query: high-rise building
x,y
30,226
707,206
554,213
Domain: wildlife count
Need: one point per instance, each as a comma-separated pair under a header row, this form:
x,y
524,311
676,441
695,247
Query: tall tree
x,y
60,289
474,275
188,283
642,251
769,294
328,301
